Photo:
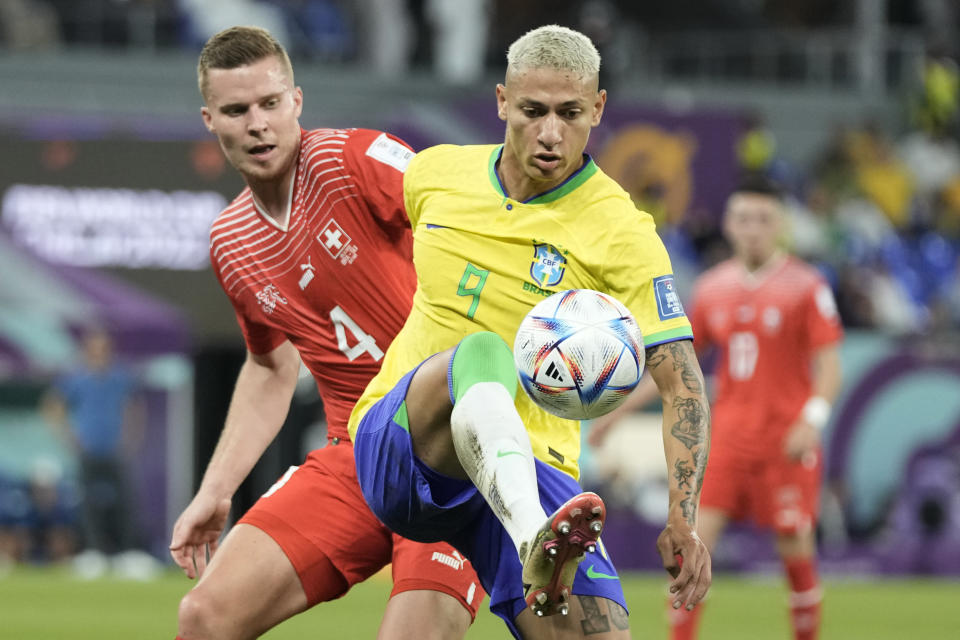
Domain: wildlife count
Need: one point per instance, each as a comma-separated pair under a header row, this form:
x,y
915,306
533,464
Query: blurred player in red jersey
x,y
315,256
774,324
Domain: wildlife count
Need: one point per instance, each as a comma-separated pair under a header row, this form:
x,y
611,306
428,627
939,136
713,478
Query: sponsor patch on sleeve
x,y
390,152
668,300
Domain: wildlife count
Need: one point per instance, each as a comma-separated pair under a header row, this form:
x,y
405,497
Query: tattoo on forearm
x,y
691,379
682,358
691,428
656,355
700,465
682,473
689,510
593,620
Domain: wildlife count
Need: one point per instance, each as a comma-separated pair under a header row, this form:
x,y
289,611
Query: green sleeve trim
x,y
670,335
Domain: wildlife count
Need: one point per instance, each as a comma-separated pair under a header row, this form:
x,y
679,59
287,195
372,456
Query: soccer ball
x,y
579,354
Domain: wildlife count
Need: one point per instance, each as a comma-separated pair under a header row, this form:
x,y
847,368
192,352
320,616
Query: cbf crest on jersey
x,y
548,265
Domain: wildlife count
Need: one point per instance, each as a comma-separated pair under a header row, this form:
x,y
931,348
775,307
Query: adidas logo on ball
x,y
579,354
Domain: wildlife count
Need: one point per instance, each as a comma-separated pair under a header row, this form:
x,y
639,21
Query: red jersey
x,y
766,327
337,279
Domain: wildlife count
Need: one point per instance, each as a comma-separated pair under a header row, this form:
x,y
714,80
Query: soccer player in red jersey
x,y
315,256
774,324
772,320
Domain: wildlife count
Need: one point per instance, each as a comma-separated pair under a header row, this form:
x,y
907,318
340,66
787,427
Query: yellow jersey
x,y
483,260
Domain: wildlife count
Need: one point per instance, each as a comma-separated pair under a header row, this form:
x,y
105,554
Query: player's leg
x,y
493,448
283,558
424,615
463,423
435,578
798,552
248,587
794,507
596,608
94,524
409,464
589,616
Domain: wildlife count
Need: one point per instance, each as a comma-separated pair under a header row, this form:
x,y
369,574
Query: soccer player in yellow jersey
x,y
446,449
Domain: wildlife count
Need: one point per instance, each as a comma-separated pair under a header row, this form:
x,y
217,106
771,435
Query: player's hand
x,y
196,533
801,441
687,560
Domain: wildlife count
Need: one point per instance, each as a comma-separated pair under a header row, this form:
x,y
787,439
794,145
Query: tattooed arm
x,y
686,444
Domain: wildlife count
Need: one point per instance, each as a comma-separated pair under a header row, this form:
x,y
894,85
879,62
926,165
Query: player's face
x,y
253,110
753,223
549,114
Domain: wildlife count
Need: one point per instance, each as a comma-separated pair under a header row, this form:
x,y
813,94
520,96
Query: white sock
x,y
494,449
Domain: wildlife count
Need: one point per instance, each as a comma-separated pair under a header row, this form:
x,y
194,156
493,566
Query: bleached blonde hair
x,y
554,47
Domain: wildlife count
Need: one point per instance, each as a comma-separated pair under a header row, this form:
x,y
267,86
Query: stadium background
x,y
108,184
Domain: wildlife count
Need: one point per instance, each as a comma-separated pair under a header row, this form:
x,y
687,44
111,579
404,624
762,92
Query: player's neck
x,y
521,187
273,198
759,266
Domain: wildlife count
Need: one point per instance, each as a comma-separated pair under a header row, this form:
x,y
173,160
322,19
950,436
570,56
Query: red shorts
x,y
776,493
316,513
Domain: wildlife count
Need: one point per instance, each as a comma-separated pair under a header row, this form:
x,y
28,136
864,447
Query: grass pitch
x,y
50,604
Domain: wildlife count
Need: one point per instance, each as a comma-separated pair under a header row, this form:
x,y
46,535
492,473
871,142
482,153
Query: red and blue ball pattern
x,y
579,354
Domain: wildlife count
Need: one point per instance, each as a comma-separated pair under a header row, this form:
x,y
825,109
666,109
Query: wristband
x,y
816,412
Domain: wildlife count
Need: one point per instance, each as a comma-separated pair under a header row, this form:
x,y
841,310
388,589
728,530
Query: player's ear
x,y
207,119
502,102
298,100
598,105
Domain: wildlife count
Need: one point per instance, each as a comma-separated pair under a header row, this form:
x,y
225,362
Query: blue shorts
x,y
423,505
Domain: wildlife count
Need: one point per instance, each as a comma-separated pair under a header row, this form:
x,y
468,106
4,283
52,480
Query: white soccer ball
x,y
579,354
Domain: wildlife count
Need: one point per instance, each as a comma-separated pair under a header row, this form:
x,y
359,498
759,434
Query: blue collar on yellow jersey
x,y
577,178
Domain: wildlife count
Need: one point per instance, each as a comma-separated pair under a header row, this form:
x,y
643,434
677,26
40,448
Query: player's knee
x,y
486,340
482,357
488,347
450,620
201,616
792,524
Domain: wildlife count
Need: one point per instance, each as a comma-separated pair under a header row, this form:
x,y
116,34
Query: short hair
x,y
237,47
554,47
757,183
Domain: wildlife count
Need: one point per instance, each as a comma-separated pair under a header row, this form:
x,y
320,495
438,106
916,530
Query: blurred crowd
x,y
457,38
38,516
878,212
